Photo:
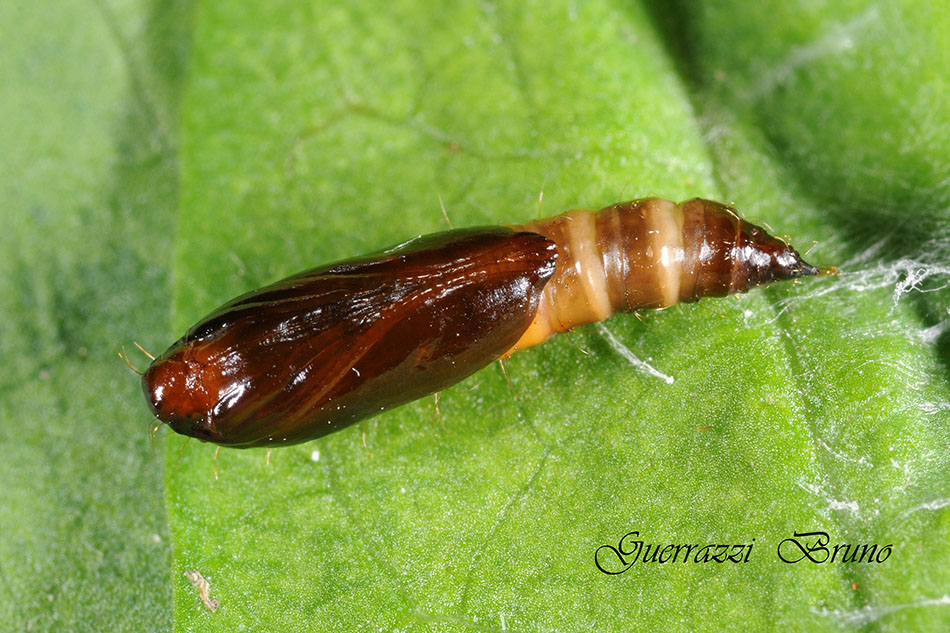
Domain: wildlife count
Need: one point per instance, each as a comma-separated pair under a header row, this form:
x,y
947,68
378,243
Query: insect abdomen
x,y
651,253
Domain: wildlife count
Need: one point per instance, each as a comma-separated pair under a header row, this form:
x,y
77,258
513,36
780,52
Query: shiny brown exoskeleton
x,y
328,347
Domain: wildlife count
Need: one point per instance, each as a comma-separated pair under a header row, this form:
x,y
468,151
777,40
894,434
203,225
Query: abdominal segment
x,y
651,253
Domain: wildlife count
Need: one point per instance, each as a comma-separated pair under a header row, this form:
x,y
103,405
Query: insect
x,y
322,349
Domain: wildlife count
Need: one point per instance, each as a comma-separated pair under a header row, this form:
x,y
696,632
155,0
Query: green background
x,y
160,157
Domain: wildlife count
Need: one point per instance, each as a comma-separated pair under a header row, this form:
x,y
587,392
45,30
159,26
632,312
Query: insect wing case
x,y
317,351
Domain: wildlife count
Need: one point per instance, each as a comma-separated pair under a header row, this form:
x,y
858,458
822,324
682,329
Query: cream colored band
x,y
588,262
665,228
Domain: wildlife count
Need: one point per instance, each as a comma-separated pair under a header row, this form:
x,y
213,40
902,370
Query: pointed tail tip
x,y
790,265
807,270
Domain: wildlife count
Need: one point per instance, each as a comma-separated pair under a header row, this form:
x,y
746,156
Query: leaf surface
x,y
311,132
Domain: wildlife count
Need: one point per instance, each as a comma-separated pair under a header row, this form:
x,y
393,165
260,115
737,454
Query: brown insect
x,y
325,348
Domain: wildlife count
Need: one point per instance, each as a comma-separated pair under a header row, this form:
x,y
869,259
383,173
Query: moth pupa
x,y
327,347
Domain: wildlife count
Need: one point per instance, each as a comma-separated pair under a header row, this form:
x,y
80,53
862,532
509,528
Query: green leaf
x,y
313,132
89,183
